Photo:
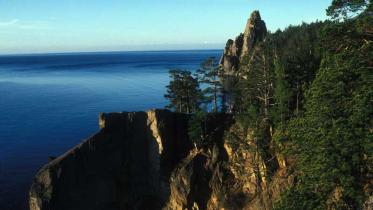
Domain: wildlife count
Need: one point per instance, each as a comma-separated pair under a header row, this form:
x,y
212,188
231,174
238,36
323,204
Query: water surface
x,y
49,103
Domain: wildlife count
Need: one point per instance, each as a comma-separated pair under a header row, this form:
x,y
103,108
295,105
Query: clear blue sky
x,y
28,26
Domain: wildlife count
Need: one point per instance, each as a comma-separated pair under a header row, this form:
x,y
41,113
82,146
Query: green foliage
x,y
333,141
313,84
197,128
298,51
208,76
348,8
256,84
280,113
183,92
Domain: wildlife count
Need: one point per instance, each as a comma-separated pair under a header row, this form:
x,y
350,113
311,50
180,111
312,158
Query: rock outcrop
x,y
230,174
126,165
231,57
145,160
235,51
255,31
192,182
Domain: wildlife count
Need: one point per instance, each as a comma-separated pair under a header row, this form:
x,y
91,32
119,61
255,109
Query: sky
x,y
42,26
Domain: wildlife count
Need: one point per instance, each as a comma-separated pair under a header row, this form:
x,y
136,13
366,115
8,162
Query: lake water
x,y
49,103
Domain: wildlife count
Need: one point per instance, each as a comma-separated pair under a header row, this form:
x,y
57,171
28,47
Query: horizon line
x,y
102,52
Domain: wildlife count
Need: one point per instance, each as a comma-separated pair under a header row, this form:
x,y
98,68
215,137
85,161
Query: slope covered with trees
x,y
332,141
305,94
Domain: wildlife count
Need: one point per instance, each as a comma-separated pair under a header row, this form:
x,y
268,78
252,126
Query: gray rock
x,y
235,51
255,31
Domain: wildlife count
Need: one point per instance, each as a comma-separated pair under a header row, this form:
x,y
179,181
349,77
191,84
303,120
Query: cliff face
x,y
126,165
145,160
230,174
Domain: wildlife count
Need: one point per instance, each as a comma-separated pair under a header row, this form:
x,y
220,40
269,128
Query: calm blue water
x,y
49,103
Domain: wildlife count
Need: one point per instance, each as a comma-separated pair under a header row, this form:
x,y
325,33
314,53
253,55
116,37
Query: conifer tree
x,y
208,76
258,79
281,94
348,8
183,92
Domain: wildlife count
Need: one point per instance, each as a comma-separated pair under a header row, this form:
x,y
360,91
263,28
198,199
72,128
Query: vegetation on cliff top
x,y
312,86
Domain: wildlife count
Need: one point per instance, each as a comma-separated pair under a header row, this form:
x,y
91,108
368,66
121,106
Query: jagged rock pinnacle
x,y
235,51
255,31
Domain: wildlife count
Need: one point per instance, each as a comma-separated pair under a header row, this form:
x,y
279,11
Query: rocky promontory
x,y
125,165
145,160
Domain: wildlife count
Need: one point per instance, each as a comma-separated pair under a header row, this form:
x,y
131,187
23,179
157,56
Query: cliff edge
x,y
126,165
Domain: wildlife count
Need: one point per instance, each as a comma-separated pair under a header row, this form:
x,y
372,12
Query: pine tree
x,y
208,76
281,94
348,8
258,79
183,92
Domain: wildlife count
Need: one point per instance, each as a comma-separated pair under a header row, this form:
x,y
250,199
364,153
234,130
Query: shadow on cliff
x,y
126,165
194,180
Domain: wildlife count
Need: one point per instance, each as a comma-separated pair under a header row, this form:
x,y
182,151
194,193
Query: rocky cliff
x,y
230,173
145,160
126,165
